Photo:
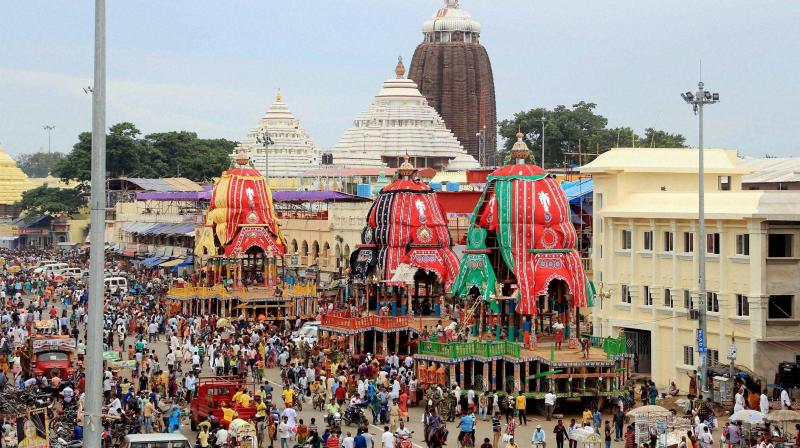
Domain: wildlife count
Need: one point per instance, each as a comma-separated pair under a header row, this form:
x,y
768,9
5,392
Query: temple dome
x,y
451,18
292,150
398,122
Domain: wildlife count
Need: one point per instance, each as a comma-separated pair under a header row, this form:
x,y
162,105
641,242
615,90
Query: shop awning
x,y
171,263
148,260
153,262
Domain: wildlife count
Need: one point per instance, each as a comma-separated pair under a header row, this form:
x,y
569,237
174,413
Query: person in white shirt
x,y
285,432
549,404
786,402
349,441
763,402
222,436
706,440
291,415
387,439
738,401
369,439
471,399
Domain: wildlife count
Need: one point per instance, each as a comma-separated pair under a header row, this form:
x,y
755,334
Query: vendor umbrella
x,y
748,416
648,410
223,322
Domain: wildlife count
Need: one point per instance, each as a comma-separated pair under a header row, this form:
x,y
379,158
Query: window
x,y
667,298
742,305
688,303
626,294
648,296
780,245
669,241
712,357
626,240
648,240
712,243
780,307
743,244
724,183
688,355
712,302
688,242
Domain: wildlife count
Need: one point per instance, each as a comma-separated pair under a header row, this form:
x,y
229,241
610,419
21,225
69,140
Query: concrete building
x,y
291,152
321,229
646,265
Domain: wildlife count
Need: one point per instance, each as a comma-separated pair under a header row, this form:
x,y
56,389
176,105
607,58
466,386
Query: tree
x,y
570,129
168,154
49,201
38,164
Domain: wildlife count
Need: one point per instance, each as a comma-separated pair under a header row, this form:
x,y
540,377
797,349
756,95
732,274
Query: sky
x,y
213,67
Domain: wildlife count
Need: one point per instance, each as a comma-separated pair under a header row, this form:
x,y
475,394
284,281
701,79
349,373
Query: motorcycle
x,y
404,440
318,401
335,422
61,443
354,415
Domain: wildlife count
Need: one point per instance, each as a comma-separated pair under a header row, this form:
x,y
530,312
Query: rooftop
x,y
665,160
772,170
765,204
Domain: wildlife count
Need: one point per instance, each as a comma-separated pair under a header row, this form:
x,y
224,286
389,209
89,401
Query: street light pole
x,y
543,120
92,419
49,128
265,140
698,100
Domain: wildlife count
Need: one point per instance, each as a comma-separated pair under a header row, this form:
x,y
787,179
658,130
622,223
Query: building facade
x,y
646,263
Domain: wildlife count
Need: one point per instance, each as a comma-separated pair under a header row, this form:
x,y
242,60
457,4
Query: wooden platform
x,y
565,355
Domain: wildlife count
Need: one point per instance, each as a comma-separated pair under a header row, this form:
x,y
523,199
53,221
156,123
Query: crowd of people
x,y
158,358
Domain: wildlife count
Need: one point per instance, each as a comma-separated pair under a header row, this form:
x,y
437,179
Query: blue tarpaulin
x,y
579,189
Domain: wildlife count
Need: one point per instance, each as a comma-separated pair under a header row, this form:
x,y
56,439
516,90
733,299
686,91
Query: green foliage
x,y
568,129
38,164
49,201
167,154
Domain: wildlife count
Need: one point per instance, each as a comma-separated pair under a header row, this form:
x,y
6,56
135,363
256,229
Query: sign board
x,y
732,352
127,364
701,341
54,344
294,260
111,356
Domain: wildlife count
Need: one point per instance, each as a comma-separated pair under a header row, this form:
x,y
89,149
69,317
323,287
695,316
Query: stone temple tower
x,y
453,71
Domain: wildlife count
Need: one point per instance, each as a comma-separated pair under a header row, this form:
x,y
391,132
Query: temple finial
x,y
400,69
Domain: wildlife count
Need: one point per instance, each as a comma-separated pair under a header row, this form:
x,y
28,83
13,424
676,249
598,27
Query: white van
x,y
156,440
72,272
54,269
114,284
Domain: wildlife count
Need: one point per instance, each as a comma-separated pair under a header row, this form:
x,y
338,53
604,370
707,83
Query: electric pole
x,y
698,100
92,418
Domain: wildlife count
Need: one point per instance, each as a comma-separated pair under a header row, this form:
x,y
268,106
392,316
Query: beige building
x,y
646,265
321,233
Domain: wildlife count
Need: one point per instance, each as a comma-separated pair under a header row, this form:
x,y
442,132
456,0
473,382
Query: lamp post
x,y
543,120
482,147
265,140
49,128
92,420
698,100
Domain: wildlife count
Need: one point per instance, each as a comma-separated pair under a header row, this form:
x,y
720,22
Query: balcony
x,y
462,349
343,320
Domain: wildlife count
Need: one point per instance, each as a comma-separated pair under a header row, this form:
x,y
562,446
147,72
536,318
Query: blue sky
x,y
213,66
